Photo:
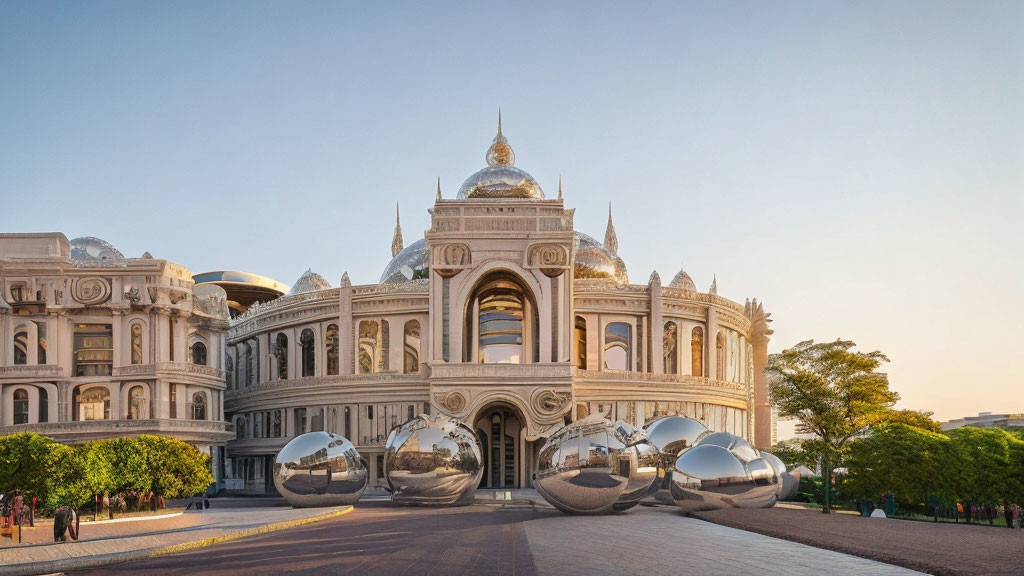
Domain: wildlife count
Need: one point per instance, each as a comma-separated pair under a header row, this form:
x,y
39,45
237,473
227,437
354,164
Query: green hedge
x,y
62,475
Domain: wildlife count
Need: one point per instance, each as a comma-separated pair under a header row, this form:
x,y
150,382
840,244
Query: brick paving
x,y
42,533
936,548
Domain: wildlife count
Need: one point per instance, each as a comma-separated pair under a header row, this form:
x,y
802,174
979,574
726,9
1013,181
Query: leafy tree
x,y
128,464
989,465
917,418
906,461
832,392
177,469
23,462
795,452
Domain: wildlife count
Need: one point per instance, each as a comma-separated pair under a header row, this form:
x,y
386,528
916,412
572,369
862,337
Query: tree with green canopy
x,y
906,461
833,392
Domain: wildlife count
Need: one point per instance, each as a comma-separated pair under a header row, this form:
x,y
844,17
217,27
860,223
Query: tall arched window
x,y
617,349
247,368
93,404
199,353
369,339
412,347
21,346
499,307
138,405
40,342
697,351
332,349
307,344
229,371
580,338
281,351
670,346
136,343
21,406
44,405
719,357
199,406
385,345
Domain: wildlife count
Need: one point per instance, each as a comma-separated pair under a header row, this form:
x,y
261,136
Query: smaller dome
x,y
500,179
683,280
411,263
92,249
593,260
309,282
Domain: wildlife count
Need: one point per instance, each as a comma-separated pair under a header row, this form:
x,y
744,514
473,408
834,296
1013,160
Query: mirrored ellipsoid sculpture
x,y
594,467
432,461
721,471
790,483
320,469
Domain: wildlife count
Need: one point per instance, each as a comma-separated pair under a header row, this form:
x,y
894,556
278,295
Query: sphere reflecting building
x,y
593,467
319,469
432,461
723,471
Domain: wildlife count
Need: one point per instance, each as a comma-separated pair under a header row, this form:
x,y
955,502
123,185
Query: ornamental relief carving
x,y
90,291
449,259
453,402
552,259
548,402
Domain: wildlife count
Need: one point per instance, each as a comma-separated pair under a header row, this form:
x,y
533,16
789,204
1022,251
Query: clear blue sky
x,y
859,166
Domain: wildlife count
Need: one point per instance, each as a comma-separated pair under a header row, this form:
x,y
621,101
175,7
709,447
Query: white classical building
x,y
503,316
96,345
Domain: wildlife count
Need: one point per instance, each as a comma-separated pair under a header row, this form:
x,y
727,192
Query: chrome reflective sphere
x,y
594,467
671,435
320,469
790,483
433,461
723,471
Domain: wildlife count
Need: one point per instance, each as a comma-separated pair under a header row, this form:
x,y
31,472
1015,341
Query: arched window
x,y
136,343
21,406
281,351
229,370
199,406
306,342
385,345
369,340
581,342
332,349
499,306
617,349
719,357
44,405
40,342
21,346
412,347
199,353
670,346
138,405
697,351
92,404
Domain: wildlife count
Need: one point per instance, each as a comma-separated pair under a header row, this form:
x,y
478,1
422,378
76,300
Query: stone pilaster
x,y
345,340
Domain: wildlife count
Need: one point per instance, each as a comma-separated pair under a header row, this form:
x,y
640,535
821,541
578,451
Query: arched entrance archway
x,y
500,428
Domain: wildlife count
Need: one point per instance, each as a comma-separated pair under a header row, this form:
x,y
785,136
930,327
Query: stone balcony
x,y
505,374
640,385
166,369
195,431
33,371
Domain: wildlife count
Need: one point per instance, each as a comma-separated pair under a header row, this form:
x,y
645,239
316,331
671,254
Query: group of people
x,y
1012,513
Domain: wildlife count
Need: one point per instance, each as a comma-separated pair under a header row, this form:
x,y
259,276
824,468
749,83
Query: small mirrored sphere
x,y
320,469
433,461
593,467
722,471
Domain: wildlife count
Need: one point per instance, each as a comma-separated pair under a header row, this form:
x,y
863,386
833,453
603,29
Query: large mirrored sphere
x,y
671,435
594,467
790,483
722,471
320,469
433,461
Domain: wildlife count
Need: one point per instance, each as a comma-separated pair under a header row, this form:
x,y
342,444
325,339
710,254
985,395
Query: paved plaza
x,y
521,538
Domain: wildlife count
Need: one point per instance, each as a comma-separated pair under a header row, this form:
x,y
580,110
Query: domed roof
x,y
411,263
500,179
683,280
91,249
593,260
309,282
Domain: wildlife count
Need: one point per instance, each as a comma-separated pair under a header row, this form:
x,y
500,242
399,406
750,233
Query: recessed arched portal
x,y
500,427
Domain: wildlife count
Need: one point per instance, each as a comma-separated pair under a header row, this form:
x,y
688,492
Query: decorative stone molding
x,y
90,291
450,259
551,259
81,431
551,402
180,367
453,402
32,371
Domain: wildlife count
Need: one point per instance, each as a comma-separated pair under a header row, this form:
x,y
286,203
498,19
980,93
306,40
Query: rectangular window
x,y
300,421
412,412
41,342
369,411
93,350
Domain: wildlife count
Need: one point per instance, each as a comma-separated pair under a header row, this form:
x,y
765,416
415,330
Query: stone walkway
x,y
118,542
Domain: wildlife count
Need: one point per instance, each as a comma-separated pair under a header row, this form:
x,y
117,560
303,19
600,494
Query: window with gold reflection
x,y
617,347
670,348
697,351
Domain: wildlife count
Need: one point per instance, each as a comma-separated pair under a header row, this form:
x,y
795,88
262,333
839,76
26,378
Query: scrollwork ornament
x,y
90,291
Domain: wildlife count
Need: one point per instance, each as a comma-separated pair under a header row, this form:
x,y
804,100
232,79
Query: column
x,y
656,357
345,343
711,344
762,408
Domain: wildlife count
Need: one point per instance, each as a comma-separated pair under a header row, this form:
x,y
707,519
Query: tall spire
x,y
714,285
499,121
396,242
439,188
500,153
559,186
611,242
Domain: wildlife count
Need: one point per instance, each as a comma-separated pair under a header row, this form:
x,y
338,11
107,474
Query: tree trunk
x,y
826,473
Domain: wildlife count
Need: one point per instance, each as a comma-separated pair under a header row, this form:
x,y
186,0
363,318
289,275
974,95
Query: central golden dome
x,y
500,179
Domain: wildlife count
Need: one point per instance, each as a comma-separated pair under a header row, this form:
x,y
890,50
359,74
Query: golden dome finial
x,y
500,153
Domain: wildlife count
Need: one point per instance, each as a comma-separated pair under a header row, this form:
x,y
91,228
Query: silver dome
x,y
92,249
412,263
593,260
309,282
433,461
320,469
683,280
593,467
500,179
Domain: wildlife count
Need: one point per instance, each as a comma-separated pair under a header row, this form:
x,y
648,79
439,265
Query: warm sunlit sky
x,y
858,166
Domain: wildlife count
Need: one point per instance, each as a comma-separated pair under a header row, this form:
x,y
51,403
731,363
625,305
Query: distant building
x,y
986,420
